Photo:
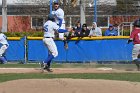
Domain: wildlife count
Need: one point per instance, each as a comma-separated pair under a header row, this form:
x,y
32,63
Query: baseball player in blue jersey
x,y
49,34
59,15
4,45
59,19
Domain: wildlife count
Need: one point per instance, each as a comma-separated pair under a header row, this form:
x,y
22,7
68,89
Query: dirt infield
x,y
68,86
65,70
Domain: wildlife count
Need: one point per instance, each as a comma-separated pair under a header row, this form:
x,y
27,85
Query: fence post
x,y
95,10
131,27
82,11
51,6
25,49
4,15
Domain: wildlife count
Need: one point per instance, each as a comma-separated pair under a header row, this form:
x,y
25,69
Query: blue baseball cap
x,y
110,25
56,3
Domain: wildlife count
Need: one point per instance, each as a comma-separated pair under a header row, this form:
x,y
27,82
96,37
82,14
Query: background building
x,y
28,15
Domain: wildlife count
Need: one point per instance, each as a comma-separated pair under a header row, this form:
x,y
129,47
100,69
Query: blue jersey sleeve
x,y
116,33
106,33
62,30
60,22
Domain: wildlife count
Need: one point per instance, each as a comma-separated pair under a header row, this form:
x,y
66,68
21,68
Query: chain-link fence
x,y
108,11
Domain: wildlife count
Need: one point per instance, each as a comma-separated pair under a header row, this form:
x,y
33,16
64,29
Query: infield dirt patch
x,y
65,70
68,86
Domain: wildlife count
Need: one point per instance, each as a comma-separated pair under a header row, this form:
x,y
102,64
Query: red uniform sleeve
x,y
132,34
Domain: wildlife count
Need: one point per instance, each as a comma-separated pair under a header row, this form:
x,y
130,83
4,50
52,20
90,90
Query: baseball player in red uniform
x,y
135,37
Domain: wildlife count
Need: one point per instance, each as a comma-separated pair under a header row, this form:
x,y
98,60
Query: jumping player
x,y
59,15
4,45
49,34
135,37
60,21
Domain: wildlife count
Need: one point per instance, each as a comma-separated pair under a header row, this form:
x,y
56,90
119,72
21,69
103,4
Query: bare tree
x,y
126,7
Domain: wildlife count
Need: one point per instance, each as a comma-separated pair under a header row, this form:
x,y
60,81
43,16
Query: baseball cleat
x,y
47,68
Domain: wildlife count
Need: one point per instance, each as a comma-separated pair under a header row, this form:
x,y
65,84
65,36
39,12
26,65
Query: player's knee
x,y
55,54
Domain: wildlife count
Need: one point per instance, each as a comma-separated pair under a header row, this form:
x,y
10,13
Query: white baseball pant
x,y
61,35
3,49
49,42
135,51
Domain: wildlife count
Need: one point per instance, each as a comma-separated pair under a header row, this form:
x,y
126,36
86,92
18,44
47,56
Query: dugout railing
x,y
125,26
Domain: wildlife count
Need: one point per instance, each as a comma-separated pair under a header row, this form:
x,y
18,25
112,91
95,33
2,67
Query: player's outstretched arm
x,y
62,30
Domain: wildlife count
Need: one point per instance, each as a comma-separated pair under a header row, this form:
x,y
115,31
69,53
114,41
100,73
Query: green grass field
x,y
134,77
70,65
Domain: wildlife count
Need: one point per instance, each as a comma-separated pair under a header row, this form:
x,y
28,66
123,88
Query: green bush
x,y
40,33
22,34
126,33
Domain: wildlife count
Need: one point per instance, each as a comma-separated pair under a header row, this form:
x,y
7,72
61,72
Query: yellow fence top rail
x,y
34,38
86,38
13,38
